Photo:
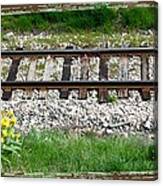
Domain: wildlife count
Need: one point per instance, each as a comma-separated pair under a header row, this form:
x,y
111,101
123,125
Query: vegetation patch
x,y
59,152
100,18
10,138
112,98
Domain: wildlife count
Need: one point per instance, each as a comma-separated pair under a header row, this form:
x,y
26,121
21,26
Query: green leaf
x,y
9,149
6,160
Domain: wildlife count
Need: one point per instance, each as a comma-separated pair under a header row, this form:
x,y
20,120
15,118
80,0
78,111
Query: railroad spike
x,y
145,94
123,93
29,94
102,94
42,94
7,94
64,93
83,94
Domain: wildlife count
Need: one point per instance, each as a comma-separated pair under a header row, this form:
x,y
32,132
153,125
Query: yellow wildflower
x,y
11,133
5,122
4,133
10,113
13,120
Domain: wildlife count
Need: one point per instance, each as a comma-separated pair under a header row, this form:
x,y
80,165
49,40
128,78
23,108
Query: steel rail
x,y
17,6
137,176
130,85
78,52
71,6
19,9
68,6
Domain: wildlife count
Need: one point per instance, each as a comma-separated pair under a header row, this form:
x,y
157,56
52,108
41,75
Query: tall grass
x,y
53,152
101,19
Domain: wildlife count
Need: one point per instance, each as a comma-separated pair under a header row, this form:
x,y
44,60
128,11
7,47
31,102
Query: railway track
x,y
18,9
122,85
137,176
77,52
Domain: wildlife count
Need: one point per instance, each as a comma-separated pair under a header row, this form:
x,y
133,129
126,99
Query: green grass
x,y
58,152
100,19
112,98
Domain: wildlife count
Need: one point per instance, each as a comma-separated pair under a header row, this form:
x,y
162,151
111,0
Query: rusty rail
x,y
72,85
17,9
137,176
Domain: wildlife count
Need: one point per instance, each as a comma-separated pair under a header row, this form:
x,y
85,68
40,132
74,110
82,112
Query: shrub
x,y
23,23
112,98
139,17
10,139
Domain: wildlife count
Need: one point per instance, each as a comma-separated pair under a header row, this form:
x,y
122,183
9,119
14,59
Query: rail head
x,y
130,85
79,52
28,8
